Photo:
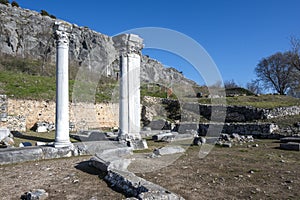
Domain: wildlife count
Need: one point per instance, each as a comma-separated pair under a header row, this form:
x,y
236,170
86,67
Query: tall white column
x,y
62,138
123,105
134,108
130,46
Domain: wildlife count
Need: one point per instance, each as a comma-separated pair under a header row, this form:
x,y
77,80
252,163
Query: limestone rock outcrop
x,y
28,34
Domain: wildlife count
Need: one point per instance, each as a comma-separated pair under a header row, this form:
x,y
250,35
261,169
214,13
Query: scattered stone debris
x,y
6,138
37,194
198,140
43,127
225,140
168,150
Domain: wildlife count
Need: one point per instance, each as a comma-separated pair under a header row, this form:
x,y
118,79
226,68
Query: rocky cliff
x,y
28,34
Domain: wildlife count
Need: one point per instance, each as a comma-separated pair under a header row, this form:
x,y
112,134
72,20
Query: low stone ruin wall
x,y
155,106
281,112
3,107
255,129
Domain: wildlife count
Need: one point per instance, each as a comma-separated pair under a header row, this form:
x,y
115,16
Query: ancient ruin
x,y
62,86
130,46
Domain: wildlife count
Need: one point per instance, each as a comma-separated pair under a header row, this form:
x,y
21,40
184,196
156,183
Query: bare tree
x,y
295,52
230,84
254,87
276,72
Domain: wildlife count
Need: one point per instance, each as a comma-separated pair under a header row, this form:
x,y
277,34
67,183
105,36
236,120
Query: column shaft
x,y
123,113
62,93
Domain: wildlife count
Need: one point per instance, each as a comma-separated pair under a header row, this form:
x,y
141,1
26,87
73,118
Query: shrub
x,y
44,13
52,16
6,2
15,4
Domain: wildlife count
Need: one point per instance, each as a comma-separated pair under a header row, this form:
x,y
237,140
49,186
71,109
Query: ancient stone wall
x,y
83,115
153,105
256,129
3,108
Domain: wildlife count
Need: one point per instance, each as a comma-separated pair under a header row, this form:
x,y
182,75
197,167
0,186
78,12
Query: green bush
x,y
15,4
6,2
44,13
52,16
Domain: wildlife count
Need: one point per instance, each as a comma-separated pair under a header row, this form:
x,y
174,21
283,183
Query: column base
x,y
62,144
135,143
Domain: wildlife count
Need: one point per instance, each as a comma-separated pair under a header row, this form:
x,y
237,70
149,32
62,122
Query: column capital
x,y
128,43
61,33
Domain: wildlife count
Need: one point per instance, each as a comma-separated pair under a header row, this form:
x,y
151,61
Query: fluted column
x,y
62,138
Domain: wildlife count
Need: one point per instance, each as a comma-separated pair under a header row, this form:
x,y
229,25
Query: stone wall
x,y
256,129
3,108
281,112
162,107
83,115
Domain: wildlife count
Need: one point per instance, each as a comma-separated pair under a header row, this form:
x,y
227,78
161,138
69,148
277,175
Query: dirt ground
x,y
240,172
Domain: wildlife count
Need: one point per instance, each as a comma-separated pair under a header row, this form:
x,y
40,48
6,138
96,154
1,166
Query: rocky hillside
x,y
27,34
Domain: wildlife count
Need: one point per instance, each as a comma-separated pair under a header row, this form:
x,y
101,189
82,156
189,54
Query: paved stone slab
x,y
290,146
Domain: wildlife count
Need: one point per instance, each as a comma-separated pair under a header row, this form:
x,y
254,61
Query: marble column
x,y
62,138
130,111
130,46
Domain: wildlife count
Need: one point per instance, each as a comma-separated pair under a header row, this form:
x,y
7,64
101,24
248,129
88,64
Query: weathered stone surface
x,y
8,141
169,150
29,34
37,194
9,156
91,135
164,136
160,124
255,129
134,186
3,108
290,146
4,132
198,141
290,139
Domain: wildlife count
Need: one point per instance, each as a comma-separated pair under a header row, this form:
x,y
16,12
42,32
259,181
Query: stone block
x,y
293,146
160,124
290,139
16,155
169,150
164,136
37,194
4,132
138,144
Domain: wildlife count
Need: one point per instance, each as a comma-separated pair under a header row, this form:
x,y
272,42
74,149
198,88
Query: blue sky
x,y
236,33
